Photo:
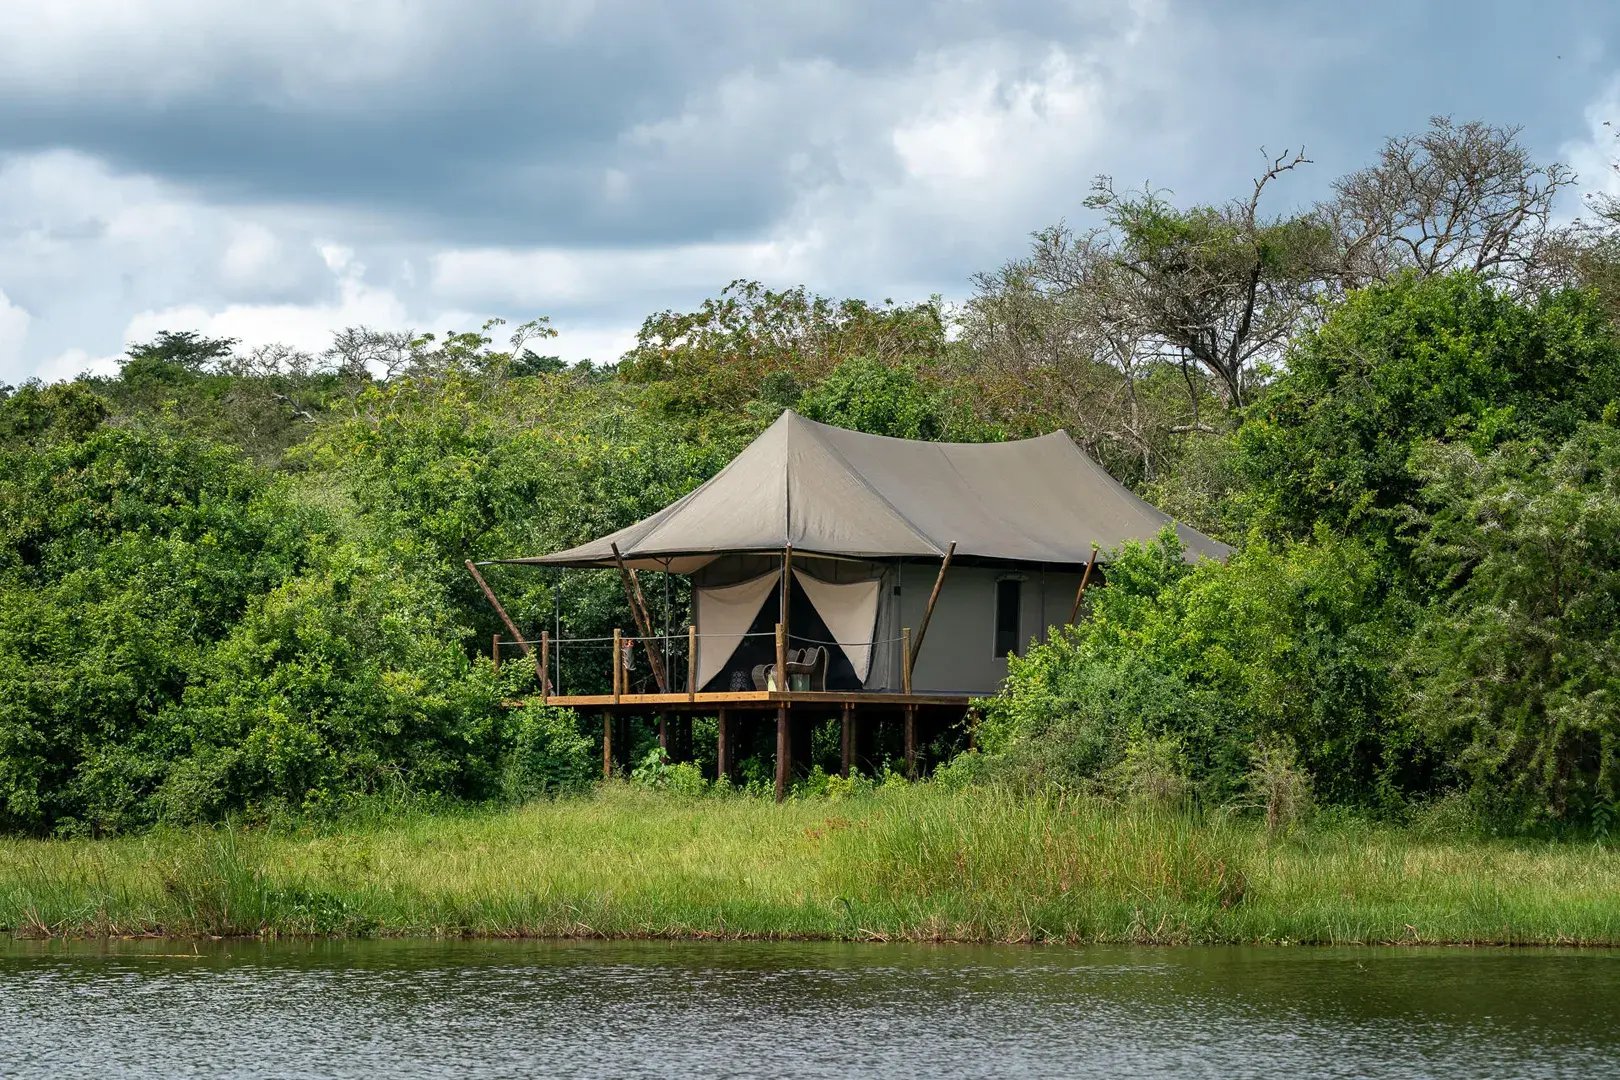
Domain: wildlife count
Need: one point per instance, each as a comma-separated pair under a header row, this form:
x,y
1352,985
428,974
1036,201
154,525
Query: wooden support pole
x,y
691,662
618,664
784,752
846,741
781,656
544,667
911,742
933,598
663,734
489,594
495,652
607,746
1079,593
722,747
644,625
905,659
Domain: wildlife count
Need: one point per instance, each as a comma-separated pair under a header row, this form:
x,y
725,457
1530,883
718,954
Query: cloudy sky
x,y
277,169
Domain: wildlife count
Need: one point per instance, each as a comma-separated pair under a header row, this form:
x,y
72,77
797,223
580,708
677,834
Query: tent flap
x,y
723,615
850,612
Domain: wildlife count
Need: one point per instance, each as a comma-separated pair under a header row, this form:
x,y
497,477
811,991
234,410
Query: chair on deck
x,y
810,662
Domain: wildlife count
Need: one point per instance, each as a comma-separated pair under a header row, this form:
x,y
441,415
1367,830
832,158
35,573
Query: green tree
x,y
1398,364
1516,668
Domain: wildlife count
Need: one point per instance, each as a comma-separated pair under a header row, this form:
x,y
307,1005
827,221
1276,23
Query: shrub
x,y
545,754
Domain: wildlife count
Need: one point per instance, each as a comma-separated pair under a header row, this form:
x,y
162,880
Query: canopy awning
x,y
827,491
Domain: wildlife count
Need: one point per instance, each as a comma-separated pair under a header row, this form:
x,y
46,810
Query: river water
x,y
499,1009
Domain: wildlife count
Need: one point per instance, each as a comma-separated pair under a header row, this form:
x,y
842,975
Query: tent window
x,y
1009,615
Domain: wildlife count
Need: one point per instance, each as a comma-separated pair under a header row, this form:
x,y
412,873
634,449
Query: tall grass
x,y
903,863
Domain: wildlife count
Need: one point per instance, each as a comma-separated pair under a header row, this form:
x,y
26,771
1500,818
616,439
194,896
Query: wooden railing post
x,y
781,656
618,663
691,662
905,659
544,667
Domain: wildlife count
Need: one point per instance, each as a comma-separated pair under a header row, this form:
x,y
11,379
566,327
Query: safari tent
x,y
971,550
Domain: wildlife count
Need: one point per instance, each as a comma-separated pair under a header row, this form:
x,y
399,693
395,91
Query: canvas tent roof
x,y
829,491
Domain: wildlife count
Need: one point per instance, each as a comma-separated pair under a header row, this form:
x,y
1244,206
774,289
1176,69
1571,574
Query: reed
x,y
906,862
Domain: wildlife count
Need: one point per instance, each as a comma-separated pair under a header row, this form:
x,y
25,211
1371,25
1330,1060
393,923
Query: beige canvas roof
x,y
829,491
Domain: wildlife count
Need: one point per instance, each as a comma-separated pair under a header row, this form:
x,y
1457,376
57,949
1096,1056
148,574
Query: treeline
x,y
231,580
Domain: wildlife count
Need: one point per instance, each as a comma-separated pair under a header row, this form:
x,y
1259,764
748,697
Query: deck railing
x,y
679,678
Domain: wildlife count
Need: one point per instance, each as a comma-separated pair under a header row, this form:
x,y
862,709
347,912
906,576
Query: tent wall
x,y
958,653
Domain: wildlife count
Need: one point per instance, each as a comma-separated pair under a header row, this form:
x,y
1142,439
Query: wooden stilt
x,y
663,733
495,652
784,753
846,740
607,746
911,742
723,748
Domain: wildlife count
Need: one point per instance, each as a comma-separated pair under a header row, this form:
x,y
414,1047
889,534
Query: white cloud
x,y
303,326
75,362
13,332
1594,156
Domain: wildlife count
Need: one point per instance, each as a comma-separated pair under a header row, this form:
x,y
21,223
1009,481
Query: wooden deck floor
x,y
758,699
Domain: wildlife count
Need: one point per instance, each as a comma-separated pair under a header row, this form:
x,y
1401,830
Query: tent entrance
x,y
729,648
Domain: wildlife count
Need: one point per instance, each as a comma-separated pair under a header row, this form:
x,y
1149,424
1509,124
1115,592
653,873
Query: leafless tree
x,y
1455,197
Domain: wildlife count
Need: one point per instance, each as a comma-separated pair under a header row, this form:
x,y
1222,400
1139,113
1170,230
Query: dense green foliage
x,y
232,582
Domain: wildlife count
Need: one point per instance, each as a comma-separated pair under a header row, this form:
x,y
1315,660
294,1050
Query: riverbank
x,y
905,863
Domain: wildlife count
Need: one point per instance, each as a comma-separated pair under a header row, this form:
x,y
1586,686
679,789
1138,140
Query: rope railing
x,y
549,666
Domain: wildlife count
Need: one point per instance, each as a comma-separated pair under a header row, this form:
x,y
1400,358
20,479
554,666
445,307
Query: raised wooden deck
x,y
758,699
937,710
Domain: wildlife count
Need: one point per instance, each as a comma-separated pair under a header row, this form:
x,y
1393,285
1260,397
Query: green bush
x,y
1195,664
1515,669
545,754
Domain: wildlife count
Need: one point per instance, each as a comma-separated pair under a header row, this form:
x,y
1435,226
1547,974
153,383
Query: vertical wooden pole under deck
x,y
495,652
722,747
663,733
607,746
905,659
911,742
784,752
846,741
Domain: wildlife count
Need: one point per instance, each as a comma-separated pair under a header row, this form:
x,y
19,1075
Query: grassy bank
x,y
905,863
